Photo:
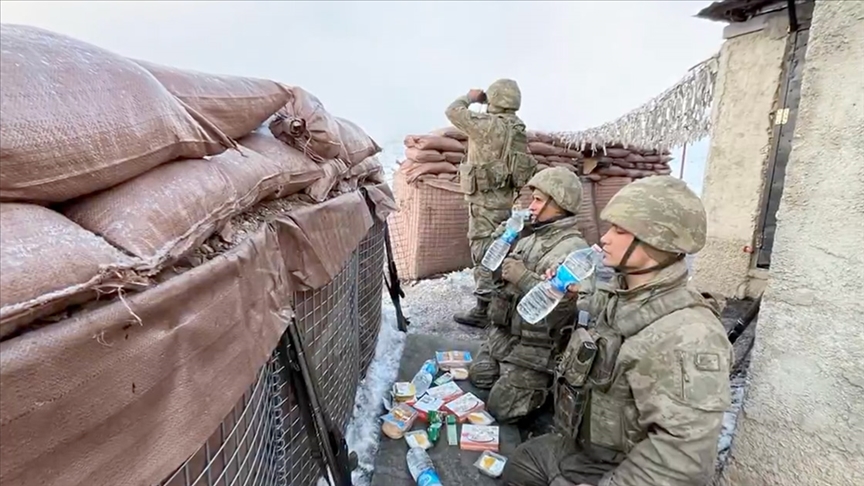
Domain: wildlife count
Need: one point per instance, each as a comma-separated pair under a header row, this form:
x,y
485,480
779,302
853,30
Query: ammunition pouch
x,y
474,178
608,345
501,308
578,357
570,403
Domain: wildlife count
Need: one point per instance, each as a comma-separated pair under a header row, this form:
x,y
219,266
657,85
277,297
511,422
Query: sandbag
x,y
534,136
434,142
236,105
572,168
617,152
424,156
162,214
604,190
413,171
587,217
306,125
333,171
85,121
451,132
357,146
454,157
541,148
297,171
541,159
48,263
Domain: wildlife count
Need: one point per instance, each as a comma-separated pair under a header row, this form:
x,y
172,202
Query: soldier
x,y
497,166
517,359
646,408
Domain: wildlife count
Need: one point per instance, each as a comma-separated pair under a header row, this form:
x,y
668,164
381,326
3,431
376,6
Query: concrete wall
x,y
746,91
803,417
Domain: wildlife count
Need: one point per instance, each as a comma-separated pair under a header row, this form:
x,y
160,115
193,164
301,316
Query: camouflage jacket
x,y
660,409
485,176
540,250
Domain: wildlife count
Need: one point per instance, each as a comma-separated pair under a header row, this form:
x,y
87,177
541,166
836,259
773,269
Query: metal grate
x,y
370,283
264,440
244,449
328,319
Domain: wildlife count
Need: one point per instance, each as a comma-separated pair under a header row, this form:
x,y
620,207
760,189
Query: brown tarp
x,y
135,378
72,126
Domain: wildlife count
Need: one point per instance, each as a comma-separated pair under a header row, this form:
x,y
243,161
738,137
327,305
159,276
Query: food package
x,y
446,392
398,421
453,359
464,405
426,404
403,391
418,438
459,374
480,418
479,438
445,378
491,464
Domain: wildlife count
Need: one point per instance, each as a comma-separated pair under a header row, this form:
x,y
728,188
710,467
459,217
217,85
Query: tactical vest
x,y
509,173
586,370
502,308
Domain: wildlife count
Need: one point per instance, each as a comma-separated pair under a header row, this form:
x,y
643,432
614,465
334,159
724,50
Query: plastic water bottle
x,y
542,299
421,467
501,246
423,379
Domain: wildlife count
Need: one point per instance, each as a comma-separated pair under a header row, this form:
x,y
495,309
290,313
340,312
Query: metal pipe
x,y
683,160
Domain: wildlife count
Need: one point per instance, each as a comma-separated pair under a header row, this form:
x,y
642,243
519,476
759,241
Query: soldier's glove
x,y
513,270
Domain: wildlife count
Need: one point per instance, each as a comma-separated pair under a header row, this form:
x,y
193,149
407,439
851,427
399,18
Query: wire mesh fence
x,y
370,282
264,440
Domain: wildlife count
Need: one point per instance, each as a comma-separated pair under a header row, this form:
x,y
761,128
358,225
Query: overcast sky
x,y
394,66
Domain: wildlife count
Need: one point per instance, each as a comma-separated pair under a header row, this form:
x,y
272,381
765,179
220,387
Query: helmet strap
x,y
623,269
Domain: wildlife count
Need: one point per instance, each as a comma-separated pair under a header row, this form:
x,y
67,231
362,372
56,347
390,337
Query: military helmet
x,y
662,212
505,94
561,185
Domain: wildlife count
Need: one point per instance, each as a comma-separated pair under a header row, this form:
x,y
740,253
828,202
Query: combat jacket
x,y
497,164
654,399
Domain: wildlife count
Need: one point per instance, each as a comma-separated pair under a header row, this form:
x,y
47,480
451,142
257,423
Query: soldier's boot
x,y
478,316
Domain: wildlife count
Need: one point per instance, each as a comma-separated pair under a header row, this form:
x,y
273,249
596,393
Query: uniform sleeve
x,y
471,123
681,396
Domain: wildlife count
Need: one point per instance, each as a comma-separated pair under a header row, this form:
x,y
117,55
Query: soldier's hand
x,y
512,270
477,96
571,289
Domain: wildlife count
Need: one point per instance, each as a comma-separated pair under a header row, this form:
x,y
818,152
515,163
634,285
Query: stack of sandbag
x,y
344,151
430,227
549,153
631,162
139,163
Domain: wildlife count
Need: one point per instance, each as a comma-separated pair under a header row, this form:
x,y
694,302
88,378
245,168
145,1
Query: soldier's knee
x,y
508,402
523,467
483,373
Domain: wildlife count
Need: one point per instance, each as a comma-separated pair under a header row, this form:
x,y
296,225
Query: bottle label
x,y
428,478
563,278
509,236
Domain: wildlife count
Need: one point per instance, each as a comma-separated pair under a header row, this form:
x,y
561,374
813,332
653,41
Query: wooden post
x,y
683,160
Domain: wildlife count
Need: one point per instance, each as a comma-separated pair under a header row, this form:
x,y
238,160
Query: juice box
x,y
479,438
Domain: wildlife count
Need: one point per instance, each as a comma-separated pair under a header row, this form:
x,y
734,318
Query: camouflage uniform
x,y
497,166
517,359
647,410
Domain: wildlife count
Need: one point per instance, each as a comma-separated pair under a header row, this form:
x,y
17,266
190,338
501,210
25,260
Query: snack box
x,y
453,359
491,464
464,405
398,420
479,438
445,378
446,392
459,374
418,438
426,404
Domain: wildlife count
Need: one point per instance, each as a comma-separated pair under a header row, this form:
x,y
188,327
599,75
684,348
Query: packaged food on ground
x,y
459,374
396,422
453,359
464,405
479,438
445,378
491,464
481,418
418,438
425,405
403,391
446,392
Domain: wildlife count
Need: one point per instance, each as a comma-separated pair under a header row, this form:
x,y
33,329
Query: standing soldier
x,y
639,397
497,166
518,359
